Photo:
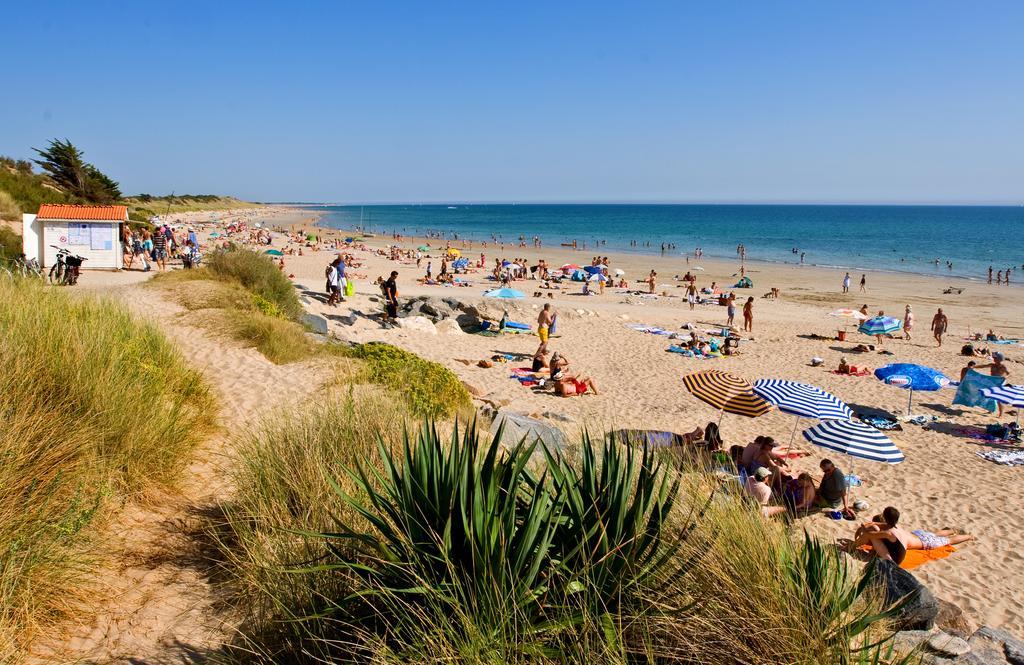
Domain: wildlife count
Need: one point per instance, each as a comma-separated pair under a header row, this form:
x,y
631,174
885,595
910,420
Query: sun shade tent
x,y
912,377
506,293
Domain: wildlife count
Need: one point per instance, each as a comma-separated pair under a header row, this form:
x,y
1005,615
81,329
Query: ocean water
x,y
891,238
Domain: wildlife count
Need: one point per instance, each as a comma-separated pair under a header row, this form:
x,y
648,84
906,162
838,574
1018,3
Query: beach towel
x,y
861,371
650,330
969,391
1004,457
879,423
917,558
981,435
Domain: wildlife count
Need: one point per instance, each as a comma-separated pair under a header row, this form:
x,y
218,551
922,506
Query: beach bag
x,y
350,287
998,430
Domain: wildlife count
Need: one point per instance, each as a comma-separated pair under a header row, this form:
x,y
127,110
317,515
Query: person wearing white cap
x,y
759,488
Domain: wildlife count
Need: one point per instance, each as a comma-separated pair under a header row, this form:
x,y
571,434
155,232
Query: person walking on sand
x,y
863,283
939,325
908,322
691,294
544,321
748,315
730,309
390,289
846,283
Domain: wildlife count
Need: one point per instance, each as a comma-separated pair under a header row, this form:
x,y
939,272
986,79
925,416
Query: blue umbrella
x,y
275,252
504,293
912,377
855,439
880,325
592,270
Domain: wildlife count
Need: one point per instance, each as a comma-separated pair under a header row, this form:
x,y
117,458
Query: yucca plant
x,y
616,510
836,605
466,523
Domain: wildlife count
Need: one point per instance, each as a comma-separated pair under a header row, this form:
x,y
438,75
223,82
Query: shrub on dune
x,y
259,274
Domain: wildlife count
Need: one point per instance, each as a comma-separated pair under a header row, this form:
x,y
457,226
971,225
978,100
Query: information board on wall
x,y
102,237
78,234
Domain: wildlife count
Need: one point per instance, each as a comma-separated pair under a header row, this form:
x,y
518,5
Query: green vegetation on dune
x,y
430,551
96,408
430,389
67,178
144,206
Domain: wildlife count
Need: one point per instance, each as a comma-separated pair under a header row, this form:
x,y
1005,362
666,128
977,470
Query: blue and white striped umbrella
x,y
802,399
1012,395
855,439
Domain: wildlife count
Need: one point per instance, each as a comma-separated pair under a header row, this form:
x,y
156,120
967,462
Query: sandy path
x,y
157,602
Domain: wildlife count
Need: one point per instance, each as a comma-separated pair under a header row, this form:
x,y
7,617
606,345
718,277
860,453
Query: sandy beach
x,y
942,483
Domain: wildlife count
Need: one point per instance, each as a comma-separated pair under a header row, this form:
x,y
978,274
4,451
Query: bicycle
x,y
67,268
19,267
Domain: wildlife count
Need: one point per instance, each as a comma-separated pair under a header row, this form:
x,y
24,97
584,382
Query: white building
x,y
90,231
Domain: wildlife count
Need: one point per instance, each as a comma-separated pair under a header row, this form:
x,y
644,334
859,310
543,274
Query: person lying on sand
x,y
890,541
567,382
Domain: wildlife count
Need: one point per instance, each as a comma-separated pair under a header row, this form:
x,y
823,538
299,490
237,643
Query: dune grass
x,y
96,407
258,274
335,564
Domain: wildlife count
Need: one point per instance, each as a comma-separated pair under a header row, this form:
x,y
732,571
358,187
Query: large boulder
x,y
920,609
997,643
517,427
417,324
449,327
316,323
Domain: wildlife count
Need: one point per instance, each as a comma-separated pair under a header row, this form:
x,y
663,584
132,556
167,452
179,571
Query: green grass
x,y
10,243
25,192
434,554
144,206
282,471
96,408
259,274
430,389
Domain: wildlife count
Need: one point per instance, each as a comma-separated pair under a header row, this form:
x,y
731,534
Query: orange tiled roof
x,y
67,211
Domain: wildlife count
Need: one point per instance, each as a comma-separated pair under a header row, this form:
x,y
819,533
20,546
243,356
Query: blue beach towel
x,y
969,391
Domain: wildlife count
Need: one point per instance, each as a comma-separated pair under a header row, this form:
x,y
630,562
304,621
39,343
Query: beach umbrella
x,y
847,313
593,270
504,293
854,439
422,248
570,267
596,277
454,252
1011,395
912,377
275,252
726,392
802,400
880,325
214,235
619,272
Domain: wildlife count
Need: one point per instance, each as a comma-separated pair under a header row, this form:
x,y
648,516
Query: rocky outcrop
x,y
919,608
987,646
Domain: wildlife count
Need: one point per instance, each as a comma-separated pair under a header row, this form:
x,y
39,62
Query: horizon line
x,y
965,204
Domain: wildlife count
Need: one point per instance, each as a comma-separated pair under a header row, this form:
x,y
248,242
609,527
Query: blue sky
x,y
590,101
